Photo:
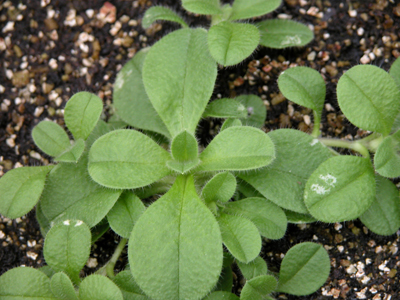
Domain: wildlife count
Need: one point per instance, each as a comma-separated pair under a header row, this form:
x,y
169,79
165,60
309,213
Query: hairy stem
x,y
353,145
317,121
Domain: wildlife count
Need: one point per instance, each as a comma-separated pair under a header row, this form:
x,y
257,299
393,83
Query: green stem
x,y
109,267
353,145
317,121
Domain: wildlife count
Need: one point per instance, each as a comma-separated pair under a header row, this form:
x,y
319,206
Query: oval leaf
x,y
240,236
225,108
156,13
125,213
219,188
67,247
230,43
256,110
62,287
246,9
181,89
283,182
25,283
129,288
127,159
184,147
304,86
231,123
202,7
254,268
237,148
258,288
369,98
20,190
166,238
130,99
50,138
340,189
279,34
304,269
81,114
70,193
73,153
383,216
97,287
268,217
387,156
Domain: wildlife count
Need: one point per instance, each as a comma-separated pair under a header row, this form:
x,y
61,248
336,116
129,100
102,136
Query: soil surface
x,y
51,49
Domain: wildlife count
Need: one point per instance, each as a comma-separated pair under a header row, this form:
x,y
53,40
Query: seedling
x,y
230,40
175,244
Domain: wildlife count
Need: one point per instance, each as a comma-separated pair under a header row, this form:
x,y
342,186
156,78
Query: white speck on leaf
x,y
314,142
66,222
78,223
329,179
291,40
320,190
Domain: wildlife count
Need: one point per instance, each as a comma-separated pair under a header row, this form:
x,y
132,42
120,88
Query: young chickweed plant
x,y
229,39
175,244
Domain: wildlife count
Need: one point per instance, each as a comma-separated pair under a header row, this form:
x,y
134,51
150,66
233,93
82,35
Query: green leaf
x,y
73,153
268,217
383,216
298,218
182,167
181,89
304,269
25,283
220,188
340,189
125,213
70,193
50,138
156,13
230,43
130,99
240,236
127,159
49,272
225,108
67,247
97,287
279,34
20,190
246,9
225,281
387,156
99,230
221,295
81,114
297,156
230,123
62,287
44,223
254,268
166,238
184,147
258,288
202,7
237,148
256,110
304,86
395,71
369,98
129,288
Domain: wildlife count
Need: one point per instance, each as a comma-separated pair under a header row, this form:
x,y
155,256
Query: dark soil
x,y
51,49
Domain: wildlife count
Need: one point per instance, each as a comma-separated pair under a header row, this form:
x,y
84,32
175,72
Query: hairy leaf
x,y
181,89
258,288
387,156
237,148
383,216
225,108
279,34
97,287
220,188
156,13
246,9
240,236
62,287
254,268
182,167
127,159
73,153
20,190
268,217
184,147
125,213
230,43
130,98
230,123
341,189
298,218
129,288
221,295
256,110
50,138
304,269
369,97
173,230
81,114
202,7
